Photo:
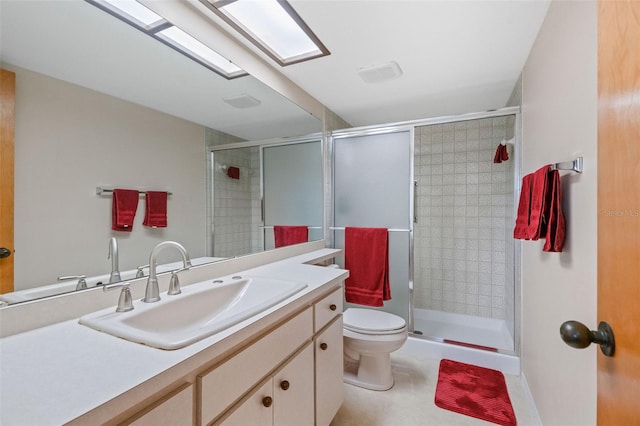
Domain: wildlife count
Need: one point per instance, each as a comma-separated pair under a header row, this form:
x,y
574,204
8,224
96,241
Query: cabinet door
x,y
293,391
256,410
329,372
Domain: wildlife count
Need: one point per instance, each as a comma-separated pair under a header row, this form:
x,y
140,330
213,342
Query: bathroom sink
x,y
201,310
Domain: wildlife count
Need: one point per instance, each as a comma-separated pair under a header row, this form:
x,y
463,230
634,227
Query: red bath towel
x,y
366,256
540,209
123,209
288,235
556,228
155,214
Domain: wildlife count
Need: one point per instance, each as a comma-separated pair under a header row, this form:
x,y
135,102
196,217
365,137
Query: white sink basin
x,y
202,310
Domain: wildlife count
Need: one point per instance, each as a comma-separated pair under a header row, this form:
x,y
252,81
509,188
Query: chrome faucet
x,y
152,293
113,254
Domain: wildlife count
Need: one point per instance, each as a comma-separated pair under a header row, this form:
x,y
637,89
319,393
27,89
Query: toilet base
x,y
371,372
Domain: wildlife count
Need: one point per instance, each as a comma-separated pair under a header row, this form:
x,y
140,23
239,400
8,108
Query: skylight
x,y
183,41
154,25
273,26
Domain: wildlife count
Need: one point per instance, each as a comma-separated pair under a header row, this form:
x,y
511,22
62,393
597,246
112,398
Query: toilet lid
x,y
370,321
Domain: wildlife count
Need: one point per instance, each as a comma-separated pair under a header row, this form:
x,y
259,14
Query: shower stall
x,y
450,212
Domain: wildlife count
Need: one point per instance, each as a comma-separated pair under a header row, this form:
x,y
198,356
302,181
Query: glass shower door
x,y
372,175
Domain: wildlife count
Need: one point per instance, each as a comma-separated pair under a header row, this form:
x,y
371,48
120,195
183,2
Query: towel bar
x,y
100,190
575,165
341,228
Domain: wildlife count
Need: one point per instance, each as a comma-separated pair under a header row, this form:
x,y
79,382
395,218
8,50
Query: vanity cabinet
x,y
222,386
292,376
286,398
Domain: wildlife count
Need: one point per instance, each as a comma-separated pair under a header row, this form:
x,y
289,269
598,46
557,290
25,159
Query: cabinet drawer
x,y
326,309
226,383
175,409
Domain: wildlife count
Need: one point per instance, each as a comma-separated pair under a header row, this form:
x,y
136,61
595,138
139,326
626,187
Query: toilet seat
x,y
372,322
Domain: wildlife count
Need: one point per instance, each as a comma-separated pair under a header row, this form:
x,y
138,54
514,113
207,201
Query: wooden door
x,y
7,122
619,208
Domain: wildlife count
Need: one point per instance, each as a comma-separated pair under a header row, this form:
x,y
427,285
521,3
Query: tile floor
x,y
410,401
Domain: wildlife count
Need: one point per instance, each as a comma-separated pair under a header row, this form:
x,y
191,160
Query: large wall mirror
x,y
101,104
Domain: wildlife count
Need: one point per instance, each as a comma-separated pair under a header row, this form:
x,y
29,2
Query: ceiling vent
x,y
242,101
382,72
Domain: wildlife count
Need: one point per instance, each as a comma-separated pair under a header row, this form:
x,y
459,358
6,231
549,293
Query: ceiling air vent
x,y
382,72
242,101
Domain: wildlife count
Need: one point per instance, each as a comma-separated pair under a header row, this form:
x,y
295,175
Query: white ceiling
x,y
456,56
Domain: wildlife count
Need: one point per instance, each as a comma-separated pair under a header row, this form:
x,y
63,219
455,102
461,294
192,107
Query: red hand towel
x,y
288,235
522,220
123,209
502,154
155,215
366,256
233,172
556,228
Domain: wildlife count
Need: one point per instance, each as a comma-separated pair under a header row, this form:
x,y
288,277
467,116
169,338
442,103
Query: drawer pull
x,y
267,401
333,307
284,385
323,346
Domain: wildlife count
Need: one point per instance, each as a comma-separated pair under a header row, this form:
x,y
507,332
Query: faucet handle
x,y
82,283
125,302
140,272
174,282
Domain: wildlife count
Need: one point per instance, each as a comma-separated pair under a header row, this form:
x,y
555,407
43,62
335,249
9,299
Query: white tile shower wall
x,y
465,210
234,213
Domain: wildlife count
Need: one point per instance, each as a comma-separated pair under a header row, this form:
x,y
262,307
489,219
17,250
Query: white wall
x,y
68,141
559,123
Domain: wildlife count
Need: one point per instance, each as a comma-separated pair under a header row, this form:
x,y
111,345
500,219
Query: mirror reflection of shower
x,y
256,185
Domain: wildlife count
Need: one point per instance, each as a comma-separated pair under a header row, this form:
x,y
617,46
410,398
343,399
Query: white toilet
x,y
369,338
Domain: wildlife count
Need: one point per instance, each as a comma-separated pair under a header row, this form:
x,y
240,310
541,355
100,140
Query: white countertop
x,y
54,374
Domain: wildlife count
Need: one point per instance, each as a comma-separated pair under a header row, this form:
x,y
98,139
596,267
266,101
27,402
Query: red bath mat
x,y
474,391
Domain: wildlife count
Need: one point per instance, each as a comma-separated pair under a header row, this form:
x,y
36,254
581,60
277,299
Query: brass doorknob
x,y
4,252
267,401
577,335
284,385
323,346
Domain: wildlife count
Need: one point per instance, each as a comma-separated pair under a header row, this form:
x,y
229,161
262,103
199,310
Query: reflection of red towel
x,y
556,228
155,215
288,235
366,256
502,154
123,209
540,209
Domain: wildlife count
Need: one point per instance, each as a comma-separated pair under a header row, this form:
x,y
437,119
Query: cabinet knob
x,y
267,401
333,307
323,346
284,385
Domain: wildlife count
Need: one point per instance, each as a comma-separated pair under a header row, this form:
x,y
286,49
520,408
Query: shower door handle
x,y
415,198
